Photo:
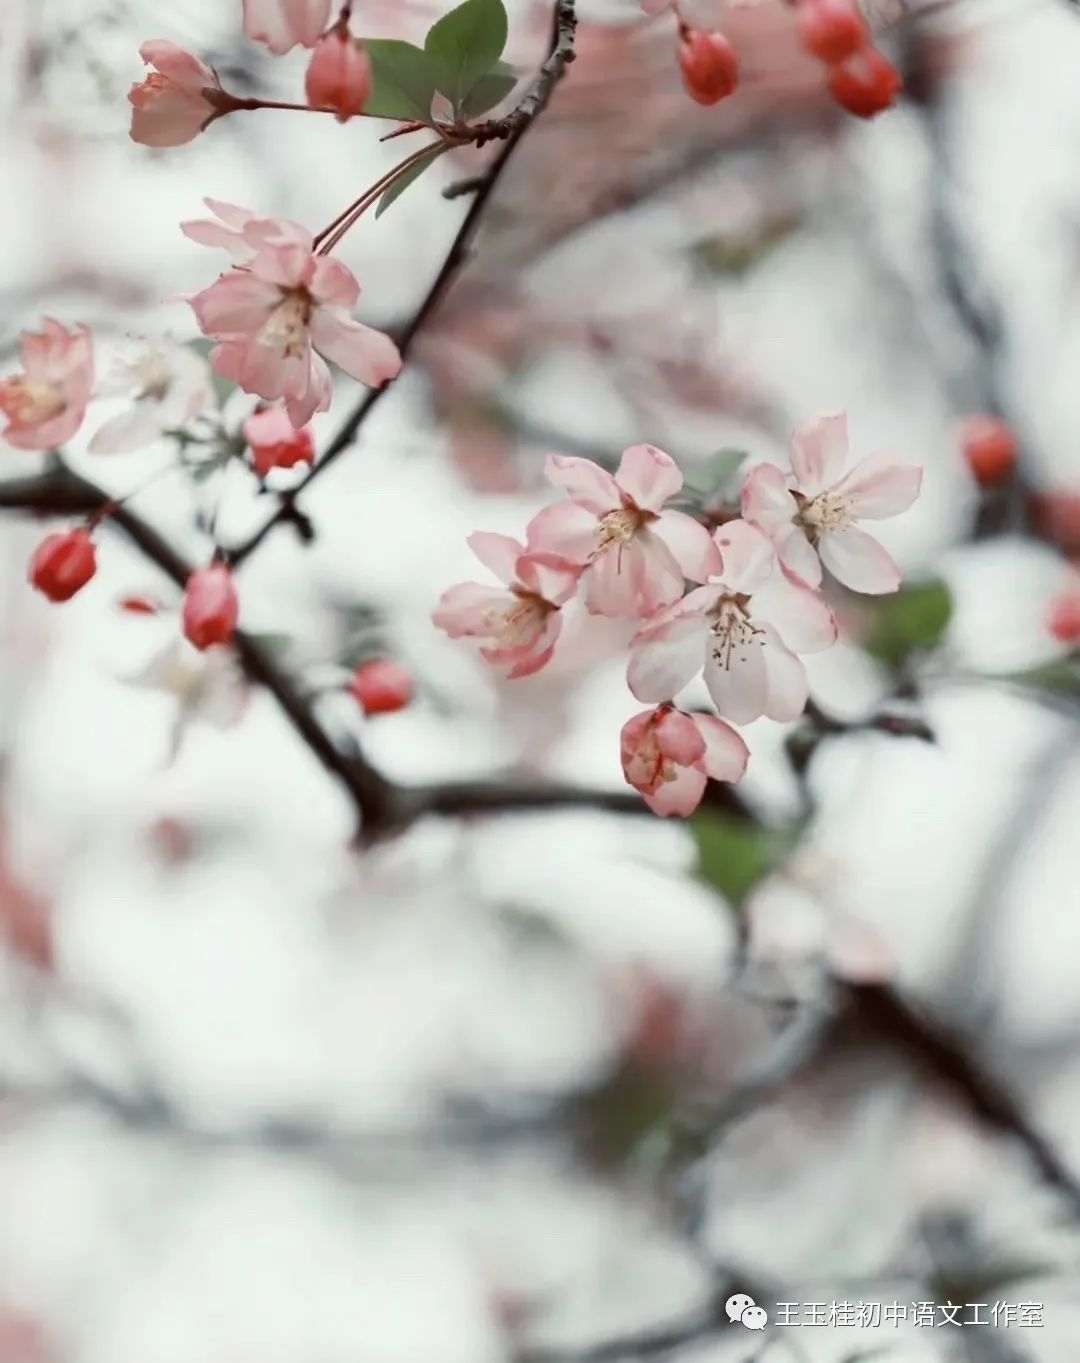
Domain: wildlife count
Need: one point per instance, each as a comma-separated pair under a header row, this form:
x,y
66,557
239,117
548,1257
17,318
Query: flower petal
x,y
498,553
766,500
679,797
679,737
748,556
463,609
858,561
799,556
690,543
553,578
664,658
648,476
785,681
819,453
633,580
237,304
738,684
726,754
880,487
566,530
364,353
333,283
798,614
584,482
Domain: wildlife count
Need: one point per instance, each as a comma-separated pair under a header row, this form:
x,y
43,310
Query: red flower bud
x,y
211,606
709,64
63,563
1063,618
275,442
989,448
865,84
382,686
339,74
831,30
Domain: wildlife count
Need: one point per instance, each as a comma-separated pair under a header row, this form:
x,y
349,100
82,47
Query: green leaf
x,y
464,45
715,474
489,90
733,855
413,173
404,80
912,619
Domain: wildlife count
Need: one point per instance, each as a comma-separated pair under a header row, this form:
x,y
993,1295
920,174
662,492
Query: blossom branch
x,y
561,54
384,807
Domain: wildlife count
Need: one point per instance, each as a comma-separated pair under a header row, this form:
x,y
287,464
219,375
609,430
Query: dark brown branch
x,y
946,1057
384,807
510,130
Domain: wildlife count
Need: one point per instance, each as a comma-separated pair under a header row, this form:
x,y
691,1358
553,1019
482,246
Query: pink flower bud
x,y
339,74
177,100
382,686
63,564
211,606
709,63
831,30
865,84
989,448
275,442
1063,618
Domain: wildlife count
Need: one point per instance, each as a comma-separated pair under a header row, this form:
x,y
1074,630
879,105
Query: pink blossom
x,y
637,555
339,76
668,756
520,621
46,403
283,24
811,517
274,320
746,627
240,231
177,100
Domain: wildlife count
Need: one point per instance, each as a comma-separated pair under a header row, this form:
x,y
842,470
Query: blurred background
x,y
549,1086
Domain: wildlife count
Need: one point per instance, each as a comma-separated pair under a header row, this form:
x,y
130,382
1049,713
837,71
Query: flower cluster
x,y
751,614
859,78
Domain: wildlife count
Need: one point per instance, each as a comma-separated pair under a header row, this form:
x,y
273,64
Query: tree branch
x,y
510,130
384,806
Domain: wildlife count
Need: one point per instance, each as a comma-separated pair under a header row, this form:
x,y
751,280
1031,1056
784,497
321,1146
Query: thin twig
x,y
560,55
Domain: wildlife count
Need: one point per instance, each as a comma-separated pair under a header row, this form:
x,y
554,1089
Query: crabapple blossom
x,y
745,627
382,686
831,30
520,621
240,231
171,386
177,100
46,403
275,443
668,756
211,606
866,84
709,65
63,564
285,24
339,75
812,517
275,319
989,447
636,555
